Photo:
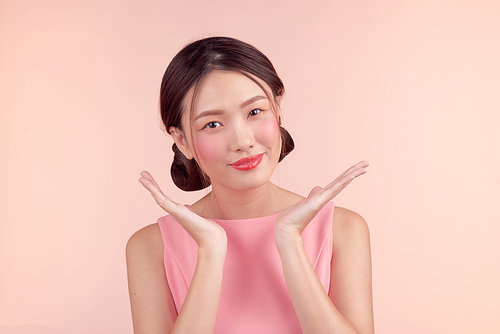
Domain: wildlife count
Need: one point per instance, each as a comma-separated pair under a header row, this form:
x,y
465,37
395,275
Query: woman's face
x,y
233,132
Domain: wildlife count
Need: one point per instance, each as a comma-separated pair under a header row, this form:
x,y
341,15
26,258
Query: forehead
x,y
221,89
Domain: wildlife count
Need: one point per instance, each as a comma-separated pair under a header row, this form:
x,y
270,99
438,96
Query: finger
x,y
336,186
157,194
154,189
146,175
351,173
147,179
342,181
148,182
316,190
359,165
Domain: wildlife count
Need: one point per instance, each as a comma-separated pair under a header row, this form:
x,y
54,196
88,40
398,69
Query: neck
x,y
231,204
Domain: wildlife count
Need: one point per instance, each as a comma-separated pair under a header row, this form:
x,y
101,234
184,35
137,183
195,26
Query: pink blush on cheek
x,y
208,149
268,132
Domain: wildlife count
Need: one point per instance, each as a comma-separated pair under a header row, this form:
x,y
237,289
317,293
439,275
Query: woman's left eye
x,y
254,112
212,125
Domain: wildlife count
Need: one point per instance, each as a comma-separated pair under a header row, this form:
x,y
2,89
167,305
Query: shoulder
x,y
150,299
146,242
350,280
348,225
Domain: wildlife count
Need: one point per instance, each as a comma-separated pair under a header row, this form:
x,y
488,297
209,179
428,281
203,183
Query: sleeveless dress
x,y
254,297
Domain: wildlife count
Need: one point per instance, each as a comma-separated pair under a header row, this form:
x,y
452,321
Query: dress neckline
x,y
247,219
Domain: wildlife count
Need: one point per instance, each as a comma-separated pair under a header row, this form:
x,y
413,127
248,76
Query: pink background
x,y
414,88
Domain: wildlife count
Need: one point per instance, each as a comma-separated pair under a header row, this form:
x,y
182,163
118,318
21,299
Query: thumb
x,y
314,191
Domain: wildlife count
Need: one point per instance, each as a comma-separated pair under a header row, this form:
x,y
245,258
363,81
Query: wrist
x,y
213,242
286,239
213,252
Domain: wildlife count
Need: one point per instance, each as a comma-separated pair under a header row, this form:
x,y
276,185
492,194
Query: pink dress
x,y
254,296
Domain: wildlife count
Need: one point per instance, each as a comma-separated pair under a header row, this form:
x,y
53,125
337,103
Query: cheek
x,y
269,133
208,148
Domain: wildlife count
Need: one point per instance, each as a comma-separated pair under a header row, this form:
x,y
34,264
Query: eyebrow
x,y
220,112
252,100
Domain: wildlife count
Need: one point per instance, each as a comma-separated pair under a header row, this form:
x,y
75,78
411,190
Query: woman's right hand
x,y
153,308
204,231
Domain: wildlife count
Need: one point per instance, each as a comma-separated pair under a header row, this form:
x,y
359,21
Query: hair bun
x,y
186,173
287,144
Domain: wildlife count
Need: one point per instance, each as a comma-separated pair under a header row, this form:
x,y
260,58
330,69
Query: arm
x,y
348,309
345,311
153,310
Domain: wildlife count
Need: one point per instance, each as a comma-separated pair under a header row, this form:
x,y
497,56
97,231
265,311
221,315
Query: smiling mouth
x,y
248,163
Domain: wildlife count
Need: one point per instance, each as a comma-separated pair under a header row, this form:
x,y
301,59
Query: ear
x,y
181,142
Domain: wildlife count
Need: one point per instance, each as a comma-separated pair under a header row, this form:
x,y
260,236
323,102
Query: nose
x,y
242,137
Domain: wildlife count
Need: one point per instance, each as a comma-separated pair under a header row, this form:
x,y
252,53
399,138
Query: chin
x,y
245,182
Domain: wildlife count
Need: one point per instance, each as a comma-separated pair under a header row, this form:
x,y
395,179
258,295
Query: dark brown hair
x,y
188,69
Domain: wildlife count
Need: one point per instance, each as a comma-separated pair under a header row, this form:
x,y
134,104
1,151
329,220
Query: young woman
x,y
249,257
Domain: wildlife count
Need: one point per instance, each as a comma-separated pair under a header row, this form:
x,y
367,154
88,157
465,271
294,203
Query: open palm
x,y
202,230
295,218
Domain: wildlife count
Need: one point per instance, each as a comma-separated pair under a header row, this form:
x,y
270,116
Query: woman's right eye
x,y
212,125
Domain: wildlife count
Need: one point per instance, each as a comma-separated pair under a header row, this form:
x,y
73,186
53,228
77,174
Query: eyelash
x,y
208,125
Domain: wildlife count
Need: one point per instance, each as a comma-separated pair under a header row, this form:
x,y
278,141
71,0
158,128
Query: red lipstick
x,y
248,163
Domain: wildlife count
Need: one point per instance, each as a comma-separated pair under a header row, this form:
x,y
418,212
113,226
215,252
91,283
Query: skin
x,y
232,118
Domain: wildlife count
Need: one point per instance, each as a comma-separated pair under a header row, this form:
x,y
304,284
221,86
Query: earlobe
x,y
180,140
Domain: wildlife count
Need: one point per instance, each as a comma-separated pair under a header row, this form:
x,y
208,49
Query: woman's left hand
x,y
294,219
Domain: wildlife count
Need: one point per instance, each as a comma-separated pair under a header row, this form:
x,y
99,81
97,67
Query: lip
x,y
248,163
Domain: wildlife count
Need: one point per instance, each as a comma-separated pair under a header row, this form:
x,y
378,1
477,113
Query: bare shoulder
x,y
348,225
145,242
151,302
351,276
